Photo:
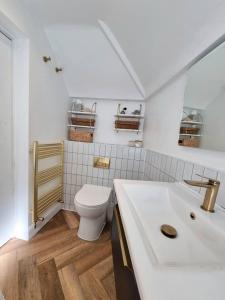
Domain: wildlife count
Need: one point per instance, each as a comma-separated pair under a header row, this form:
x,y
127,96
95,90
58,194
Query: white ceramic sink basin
x,y
199,242
191,266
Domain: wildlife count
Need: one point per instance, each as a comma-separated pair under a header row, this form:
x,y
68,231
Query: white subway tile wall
x,y
126,163
161,167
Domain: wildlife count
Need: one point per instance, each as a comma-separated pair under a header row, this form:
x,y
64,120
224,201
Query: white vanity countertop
x,y
160,282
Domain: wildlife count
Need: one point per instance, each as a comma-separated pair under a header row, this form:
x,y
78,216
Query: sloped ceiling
x,y
91,67
158,37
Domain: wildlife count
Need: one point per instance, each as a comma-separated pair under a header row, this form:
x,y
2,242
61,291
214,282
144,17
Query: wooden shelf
x,y
129,116
189,134
191,122
80,126
129,130
122,122
86,113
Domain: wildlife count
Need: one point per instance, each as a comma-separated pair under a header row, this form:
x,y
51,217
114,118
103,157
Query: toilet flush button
x,y
101,162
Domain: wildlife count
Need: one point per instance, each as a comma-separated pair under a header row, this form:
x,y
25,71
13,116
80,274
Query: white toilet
x,y
91,203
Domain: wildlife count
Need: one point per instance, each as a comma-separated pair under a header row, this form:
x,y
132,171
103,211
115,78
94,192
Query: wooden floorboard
x,y
103,268
109,285
57,265
49,281
91,259
12,245
71,283
70,220
28,282
92,287
34,247
9,276
58,250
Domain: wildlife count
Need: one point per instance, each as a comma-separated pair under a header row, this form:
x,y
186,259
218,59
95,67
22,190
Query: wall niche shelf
x,y
82,123
128,122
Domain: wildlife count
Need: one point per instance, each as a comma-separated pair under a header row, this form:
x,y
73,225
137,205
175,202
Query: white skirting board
x,y
50,213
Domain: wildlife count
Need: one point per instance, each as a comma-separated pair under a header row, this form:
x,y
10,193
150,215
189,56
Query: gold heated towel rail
x,y
40,204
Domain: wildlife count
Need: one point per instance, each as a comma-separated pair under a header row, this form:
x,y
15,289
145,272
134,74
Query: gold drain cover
x,y
169,231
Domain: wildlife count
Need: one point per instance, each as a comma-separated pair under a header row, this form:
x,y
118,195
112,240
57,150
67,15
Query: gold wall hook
x,y
46,59
58,70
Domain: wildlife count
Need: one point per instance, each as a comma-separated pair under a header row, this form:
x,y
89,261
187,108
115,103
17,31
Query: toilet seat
x,y
92,196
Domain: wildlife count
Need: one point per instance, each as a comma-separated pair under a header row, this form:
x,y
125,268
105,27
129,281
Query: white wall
x,y
21,134
91,66
163,116
6,142
213,129
47,89
105,119
48,99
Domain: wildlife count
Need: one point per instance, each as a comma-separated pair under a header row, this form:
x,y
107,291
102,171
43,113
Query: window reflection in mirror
x,y
203,120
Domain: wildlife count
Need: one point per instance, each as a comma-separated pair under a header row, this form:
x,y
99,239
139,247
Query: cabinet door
x,y
126,287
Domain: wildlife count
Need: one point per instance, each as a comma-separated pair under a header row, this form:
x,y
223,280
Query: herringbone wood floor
x,y
57,265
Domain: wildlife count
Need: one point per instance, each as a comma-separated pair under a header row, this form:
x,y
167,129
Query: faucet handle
x,y
211,180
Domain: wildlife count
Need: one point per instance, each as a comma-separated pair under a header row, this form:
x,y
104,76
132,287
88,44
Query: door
x,y
6,142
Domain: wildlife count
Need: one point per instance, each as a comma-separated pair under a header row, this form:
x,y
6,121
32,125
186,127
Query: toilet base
x,y
91,229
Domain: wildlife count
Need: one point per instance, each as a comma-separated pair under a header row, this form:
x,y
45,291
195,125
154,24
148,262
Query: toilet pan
x,y
91,203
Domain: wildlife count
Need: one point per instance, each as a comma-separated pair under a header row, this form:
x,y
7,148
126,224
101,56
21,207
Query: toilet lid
x,y
93,195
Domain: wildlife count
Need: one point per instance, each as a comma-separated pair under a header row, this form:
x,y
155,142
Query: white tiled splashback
x,y
126,163
161,167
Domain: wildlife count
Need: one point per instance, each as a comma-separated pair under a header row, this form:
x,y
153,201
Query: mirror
x,y
203,120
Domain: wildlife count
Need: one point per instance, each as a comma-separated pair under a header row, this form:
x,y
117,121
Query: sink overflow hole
x,y
193,216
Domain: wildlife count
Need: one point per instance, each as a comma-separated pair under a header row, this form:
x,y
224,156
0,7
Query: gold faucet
x,y
212,188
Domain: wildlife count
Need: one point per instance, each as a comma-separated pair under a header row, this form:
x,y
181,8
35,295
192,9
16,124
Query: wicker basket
x,y
189,130
189,143
82,121
80,136
127,124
